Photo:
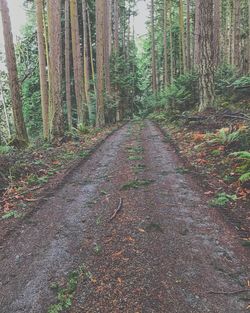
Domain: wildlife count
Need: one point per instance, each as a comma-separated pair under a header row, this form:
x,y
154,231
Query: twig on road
x,y
228,292
117,210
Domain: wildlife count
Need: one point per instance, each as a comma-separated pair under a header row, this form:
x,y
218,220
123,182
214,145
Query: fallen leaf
x,y
141,230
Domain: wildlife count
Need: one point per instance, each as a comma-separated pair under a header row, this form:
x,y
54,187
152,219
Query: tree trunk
x,y
248,36
42,68
107,31
55,56
182,39
100,118
21,132
86,53
237,46
197,34
165,29
4,109
154,83
171,42
116,52
188,37
216,32
67,64
77,62
206,66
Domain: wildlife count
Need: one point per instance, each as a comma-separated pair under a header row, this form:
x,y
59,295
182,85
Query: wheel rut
x,y
166,250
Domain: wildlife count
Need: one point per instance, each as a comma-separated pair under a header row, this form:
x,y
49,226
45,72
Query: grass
x,y
135,184
135,158
182,170
154,227
65,294
11,214
221,199
139,168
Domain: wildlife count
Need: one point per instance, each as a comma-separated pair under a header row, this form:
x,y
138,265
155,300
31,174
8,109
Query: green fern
x,y
243,155
245,177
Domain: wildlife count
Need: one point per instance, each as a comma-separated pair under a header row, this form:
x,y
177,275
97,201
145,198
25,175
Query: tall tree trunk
x,y
86,52
55,56
77,63
91,51
188,37
217,32
42,68
154,83
2,100
67,64
116,52
21,132
107,31
182,39
248,36
237,46
165,29
197,34
171,42
206,66
100,117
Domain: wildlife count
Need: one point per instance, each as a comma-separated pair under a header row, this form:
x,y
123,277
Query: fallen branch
x,y
228,292
117,210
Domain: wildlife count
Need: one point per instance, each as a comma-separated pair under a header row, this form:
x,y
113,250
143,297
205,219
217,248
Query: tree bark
x,y
86,52
216,32
197,34
237,43
188,37
165,48
77,62
107,31
182,39
42,68
154,82
67,64
100,117
16,99
206,66
55,56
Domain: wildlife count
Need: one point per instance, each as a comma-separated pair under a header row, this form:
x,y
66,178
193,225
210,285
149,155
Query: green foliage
x,y
65,295
135,184
5,149
222,199
11,214
224,78
242,155
33,179
244,169
225,137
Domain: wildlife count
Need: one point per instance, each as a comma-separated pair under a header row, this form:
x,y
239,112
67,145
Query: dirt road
x,y
166,250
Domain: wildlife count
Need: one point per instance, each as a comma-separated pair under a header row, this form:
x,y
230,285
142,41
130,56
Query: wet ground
x,y
166,250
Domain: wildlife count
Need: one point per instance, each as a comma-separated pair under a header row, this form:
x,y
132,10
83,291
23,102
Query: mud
x,y
167,250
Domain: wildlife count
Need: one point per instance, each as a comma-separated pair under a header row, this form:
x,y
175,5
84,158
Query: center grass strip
x,y
135,184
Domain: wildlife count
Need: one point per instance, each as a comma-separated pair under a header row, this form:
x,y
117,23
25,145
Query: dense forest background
x,y
79,64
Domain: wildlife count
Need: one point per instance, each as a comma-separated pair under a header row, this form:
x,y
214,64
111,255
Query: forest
x,y
101,130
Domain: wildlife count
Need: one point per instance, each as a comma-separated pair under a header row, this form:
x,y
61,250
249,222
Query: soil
x,y
166,250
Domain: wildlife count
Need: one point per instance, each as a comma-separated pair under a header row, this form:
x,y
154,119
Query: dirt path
x,y
165,251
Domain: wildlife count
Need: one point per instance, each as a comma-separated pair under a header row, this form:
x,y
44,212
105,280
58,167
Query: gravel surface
x,y
166,250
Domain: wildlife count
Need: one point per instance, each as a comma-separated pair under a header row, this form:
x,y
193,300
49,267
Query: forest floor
x,y
128,230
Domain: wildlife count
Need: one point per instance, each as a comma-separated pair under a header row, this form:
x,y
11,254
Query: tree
x,y
77,63
67,64
42,68
217,31
206,65
154,82
100,117
21,132
182,39
55,63
86,53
